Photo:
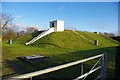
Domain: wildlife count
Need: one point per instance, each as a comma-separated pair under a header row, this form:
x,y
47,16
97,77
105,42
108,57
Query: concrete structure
x,y
58,25
55,26
97,32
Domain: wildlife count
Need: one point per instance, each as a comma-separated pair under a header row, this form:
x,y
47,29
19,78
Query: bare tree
x,y
5,20
108,34
31,29
10,34
111,34
6,26
21,33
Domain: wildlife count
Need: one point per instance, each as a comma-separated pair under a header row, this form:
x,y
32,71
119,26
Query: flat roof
x,y
55,20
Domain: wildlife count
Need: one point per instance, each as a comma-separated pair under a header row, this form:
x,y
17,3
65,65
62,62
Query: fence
x,y
102,67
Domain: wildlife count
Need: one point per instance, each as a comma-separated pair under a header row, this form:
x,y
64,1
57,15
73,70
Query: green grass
x,y
60,48
68,39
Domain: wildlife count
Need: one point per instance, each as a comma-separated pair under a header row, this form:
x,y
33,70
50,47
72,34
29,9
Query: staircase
x,y
50,30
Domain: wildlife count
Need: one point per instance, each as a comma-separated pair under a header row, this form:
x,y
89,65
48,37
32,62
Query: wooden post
x,y
103,66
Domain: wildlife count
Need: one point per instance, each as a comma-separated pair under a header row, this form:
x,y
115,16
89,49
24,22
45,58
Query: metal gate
x,y
102,67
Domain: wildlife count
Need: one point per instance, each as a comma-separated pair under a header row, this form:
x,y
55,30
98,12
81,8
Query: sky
x,y
60,0
83,16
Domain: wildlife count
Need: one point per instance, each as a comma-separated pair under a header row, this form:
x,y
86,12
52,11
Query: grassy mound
x,y
68,39
23,39
60,48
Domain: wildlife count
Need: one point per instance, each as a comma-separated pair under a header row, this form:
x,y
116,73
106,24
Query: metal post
x,y
48,70
96,42
103,66
81,68
117,67
30,78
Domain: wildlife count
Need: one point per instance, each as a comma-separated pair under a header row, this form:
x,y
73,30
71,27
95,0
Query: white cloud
x,y
22,27
18,16
35,27
61,7
20,24
19,19
38,27
23,21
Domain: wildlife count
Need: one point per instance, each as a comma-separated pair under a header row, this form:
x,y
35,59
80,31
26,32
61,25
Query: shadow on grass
x,y
71,72
7,76
46,44
78,55
15,67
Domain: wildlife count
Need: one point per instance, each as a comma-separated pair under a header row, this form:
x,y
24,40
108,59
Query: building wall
x,y
55,25
58,25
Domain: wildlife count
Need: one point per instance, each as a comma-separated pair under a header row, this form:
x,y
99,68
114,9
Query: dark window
x,y
53,24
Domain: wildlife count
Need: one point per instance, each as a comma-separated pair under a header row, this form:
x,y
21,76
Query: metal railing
x,y
38,37
102,58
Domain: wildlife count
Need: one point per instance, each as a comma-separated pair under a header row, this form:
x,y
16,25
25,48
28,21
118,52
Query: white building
x,y
58,25
55,26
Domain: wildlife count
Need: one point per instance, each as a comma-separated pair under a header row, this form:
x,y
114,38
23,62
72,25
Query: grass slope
x,y
68,39
60,48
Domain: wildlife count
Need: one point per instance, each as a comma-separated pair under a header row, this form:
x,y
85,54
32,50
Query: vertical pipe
x,y
117,66
81,68
103,66
30,78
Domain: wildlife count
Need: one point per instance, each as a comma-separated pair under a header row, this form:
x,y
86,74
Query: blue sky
x,y
90,16
60,0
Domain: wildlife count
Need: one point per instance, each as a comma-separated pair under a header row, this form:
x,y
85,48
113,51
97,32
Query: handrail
x,y
41,72
37,37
